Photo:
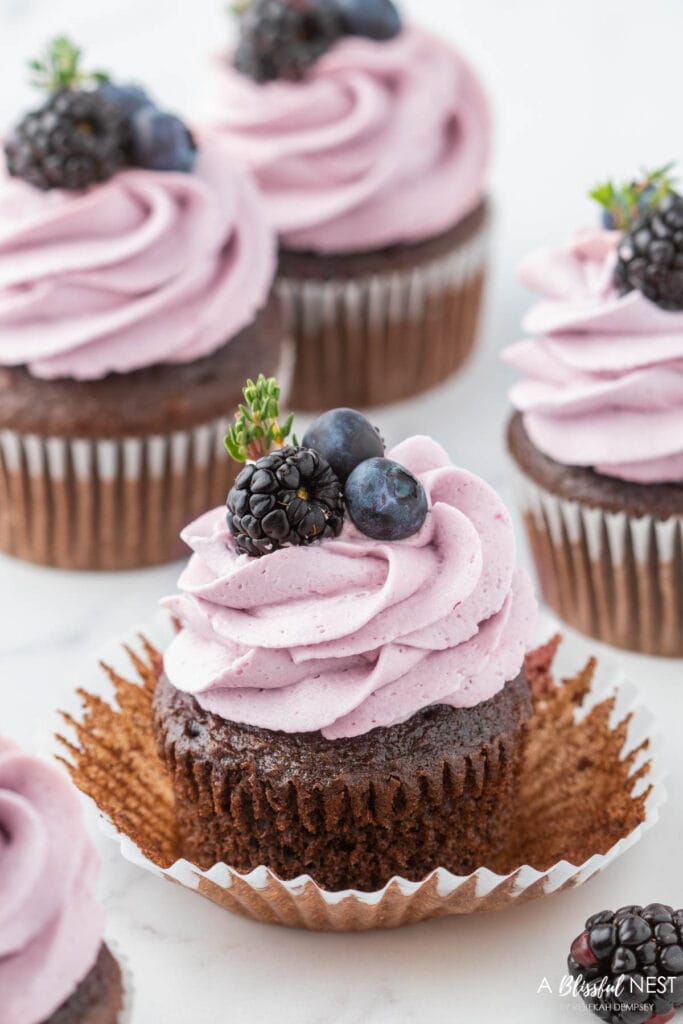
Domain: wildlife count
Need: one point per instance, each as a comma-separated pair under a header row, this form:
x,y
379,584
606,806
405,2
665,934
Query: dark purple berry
x,y
344,438
657,913
385,501
374,19
633,931
160,141
650,255
624,961
603,940
128,98
282,39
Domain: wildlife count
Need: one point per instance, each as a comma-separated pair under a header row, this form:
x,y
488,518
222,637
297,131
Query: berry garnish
x,y
650,255
374,19
160,141
344,438
290,496
624,203
89,128
286,496
77,137
384,500
284,38
630,964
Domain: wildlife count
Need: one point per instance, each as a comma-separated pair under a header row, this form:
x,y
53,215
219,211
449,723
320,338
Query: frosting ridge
x,y
383,142
149,267
51,922
352,634
602,373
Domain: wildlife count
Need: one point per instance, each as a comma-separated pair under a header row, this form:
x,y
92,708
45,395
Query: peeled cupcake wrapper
x,y
613,576
378,337
610,770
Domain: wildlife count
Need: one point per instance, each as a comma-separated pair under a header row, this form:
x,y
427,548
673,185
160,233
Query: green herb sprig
x,y
59,68
256,429
627,201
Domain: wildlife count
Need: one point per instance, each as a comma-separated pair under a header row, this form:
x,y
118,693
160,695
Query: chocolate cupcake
x,y
54,966
598,431
345,696
370,143
136,274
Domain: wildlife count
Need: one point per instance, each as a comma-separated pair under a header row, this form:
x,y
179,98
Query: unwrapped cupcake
x,y
136,268
346,696
370,141
54,965
598,430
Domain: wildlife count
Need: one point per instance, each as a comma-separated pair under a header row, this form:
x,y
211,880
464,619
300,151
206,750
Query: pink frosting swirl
x,y
51,922
351,634
383,142
151,267
603,374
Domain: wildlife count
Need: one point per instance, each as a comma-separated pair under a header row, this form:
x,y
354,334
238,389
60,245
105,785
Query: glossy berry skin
x,y
373,19
344,438
160,141
385,501
650,255
128,98
282,39
623,951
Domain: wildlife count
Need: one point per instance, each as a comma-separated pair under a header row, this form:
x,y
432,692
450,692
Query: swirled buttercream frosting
x,y
350,634
51,922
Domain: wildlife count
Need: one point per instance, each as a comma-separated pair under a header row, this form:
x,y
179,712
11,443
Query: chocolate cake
x,y
99,997
434,791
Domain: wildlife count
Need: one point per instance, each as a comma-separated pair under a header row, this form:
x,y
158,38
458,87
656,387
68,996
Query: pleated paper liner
x,y
591,786
383,334
616,577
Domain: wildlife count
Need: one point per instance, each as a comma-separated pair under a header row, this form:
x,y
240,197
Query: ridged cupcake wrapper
x,y
108,504
616,577
383,337
110,752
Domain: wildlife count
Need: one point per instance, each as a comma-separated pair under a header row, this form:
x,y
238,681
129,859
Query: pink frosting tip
x,y
383,142
150,267
51,922
351,634
602,373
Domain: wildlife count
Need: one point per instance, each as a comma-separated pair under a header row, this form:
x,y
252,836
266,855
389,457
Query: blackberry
x,y
284,38
630,964
290,496
650,255
77,138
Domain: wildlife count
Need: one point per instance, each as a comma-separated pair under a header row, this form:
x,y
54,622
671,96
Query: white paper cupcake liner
x,y
616,577
381,337
263,896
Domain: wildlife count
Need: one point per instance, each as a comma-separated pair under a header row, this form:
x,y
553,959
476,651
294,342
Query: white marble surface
x,y
581,90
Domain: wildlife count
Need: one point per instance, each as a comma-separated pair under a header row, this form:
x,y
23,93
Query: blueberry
x,y
130,98
344,439
374,19
384,500
161,142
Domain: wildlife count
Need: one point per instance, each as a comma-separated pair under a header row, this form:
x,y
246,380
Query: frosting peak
x,y
351,634
51,922
603,372
150,267
383,142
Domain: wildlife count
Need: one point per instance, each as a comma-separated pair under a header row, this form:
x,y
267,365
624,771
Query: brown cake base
x,y
99,997
104,474
608,553
380,326
434,791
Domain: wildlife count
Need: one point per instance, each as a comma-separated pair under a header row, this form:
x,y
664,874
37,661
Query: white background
x,y
581,89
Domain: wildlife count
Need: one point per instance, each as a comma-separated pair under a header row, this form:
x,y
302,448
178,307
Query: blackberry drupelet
x,y
284,38
650,255
630,964
290,496
77,138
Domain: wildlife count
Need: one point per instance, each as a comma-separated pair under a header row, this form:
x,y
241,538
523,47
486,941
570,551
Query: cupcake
x,y
597,434
370,142
345,696
136,273
54,965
